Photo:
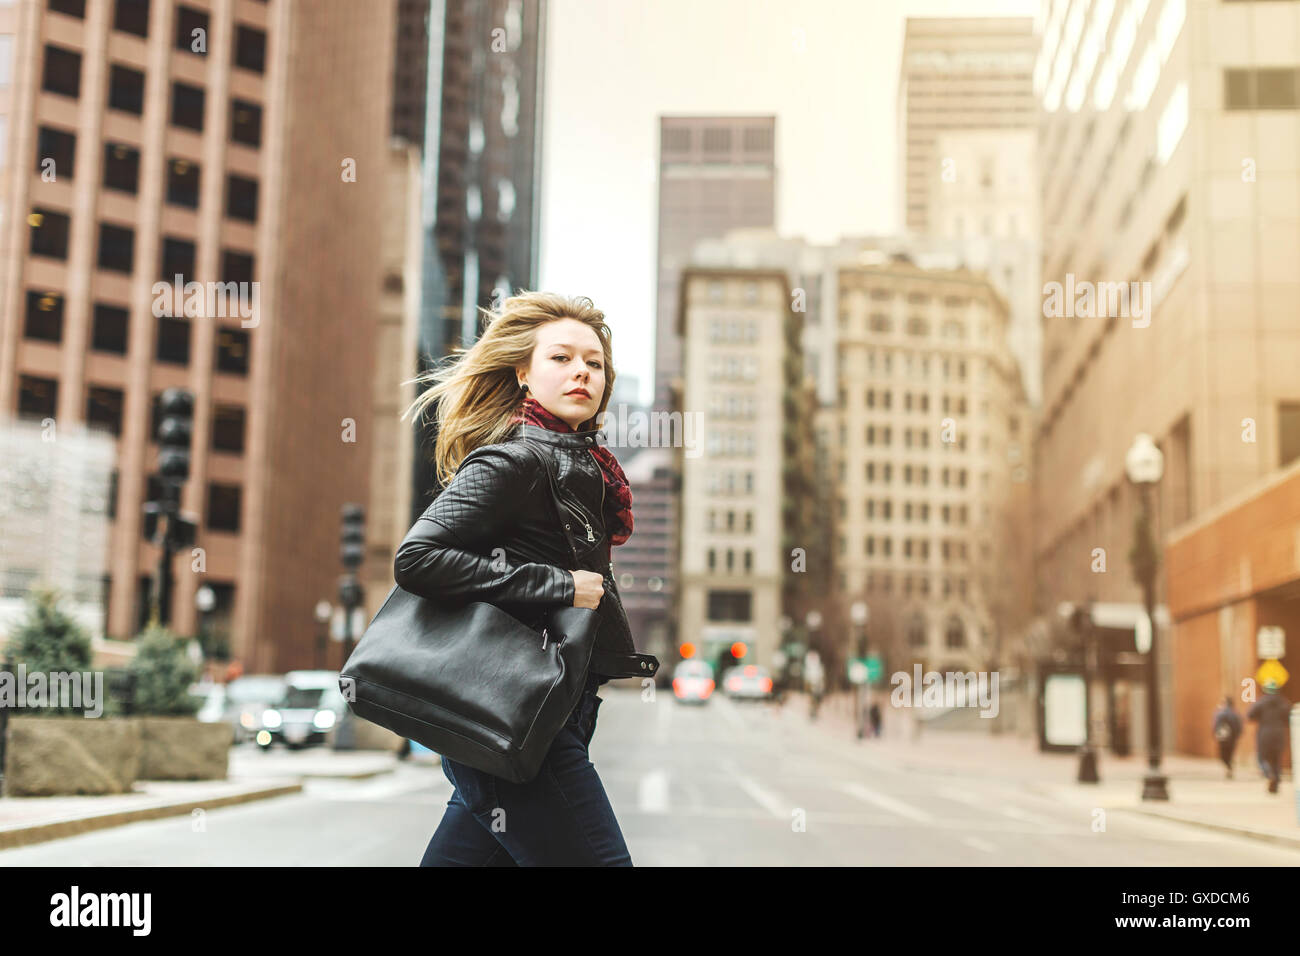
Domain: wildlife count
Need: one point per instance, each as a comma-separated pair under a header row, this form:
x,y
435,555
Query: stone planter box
x,y
71,755
183,748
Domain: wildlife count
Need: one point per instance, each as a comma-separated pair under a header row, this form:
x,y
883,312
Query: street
x,y
722,784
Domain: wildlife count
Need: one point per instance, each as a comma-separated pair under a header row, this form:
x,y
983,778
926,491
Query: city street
x,y
722,784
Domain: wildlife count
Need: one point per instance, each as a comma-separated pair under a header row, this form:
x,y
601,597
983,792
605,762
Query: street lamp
x,y
323,612
858,614
1145,465
205,599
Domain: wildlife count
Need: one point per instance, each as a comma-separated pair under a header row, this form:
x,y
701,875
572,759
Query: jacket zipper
x,y
578,514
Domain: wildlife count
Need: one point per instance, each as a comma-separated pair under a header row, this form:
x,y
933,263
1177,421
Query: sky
x,y
828,71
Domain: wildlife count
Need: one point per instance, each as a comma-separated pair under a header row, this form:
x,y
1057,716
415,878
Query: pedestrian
x,y
1226,727
815,677
875,719
541,372
1272,712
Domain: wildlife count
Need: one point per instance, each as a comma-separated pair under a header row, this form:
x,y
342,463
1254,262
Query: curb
x,y
1236,829
57,829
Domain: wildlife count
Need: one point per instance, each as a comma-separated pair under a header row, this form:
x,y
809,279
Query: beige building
x,y
961,73
742,377
224,141
930,463
1171,188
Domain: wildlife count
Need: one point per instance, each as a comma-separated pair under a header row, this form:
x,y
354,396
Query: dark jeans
x,y
1226,749
561,817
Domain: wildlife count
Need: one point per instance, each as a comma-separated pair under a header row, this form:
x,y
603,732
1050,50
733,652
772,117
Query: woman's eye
x,y
563,357
595,365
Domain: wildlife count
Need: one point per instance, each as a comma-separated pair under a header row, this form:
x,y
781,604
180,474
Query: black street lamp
x,y
1145,464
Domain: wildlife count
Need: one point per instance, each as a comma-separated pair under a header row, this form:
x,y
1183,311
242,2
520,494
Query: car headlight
x,y
247,720
323,720
271,718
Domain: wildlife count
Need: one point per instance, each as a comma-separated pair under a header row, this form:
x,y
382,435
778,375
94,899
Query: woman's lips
x,y
578,394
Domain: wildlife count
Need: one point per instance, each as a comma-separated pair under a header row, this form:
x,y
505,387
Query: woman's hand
x,y
588,588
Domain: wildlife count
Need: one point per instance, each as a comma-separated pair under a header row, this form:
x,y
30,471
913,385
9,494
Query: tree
x,y
50,641
163,674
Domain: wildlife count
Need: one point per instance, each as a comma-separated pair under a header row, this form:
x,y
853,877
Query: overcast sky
x,y
827,69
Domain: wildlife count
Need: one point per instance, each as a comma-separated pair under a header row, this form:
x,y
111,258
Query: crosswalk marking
x,y
763,797
652,792
867,795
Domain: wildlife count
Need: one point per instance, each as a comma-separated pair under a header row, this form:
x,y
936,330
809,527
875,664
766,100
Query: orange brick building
x,y
1230,572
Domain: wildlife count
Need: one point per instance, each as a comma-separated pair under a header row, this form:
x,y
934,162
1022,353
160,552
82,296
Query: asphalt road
x,y
724,784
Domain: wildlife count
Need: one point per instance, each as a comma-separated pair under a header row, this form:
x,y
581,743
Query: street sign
x,y
1270,643
1271,670
857,671
875,667
1142,632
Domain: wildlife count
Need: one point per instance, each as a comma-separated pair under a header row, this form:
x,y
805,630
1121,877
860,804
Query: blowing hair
x,y
477,393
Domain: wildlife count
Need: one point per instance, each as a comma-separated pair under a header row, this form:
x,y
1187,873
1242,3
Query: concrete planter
x,y
184,748
45,756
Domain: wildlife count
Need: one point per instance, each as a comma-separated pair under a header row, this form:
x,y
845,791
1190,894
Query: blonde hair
x,y
477,394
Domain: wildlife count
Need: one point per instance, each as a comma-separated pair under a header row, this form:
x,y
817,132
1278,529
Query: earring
x,y
524,386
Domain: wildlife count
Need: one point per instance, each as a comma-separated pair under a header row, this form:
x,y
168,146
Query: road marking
x,y
962,796
765,798
867,795
664,719
1015,813
979,844
652,792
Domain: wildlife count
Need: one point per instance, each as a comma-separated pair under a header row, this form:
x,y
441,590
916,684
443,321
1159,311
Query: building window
x,y
59,146
44,321
110,329
749,560
69,8
187,106
121,167
236,266
713,559
729,605
177,259
49,233
1288,433
232,351
955,634
173,341
116,248
1258,89
241,198
188,21
126,90
132,16
104,409
246,123
62,71
223,507
37,397
916,632
183,183
250,49
228,429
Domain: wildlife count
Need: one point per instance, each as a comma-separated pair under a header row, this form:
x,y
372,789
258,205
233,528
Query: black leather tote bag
x,y
472,682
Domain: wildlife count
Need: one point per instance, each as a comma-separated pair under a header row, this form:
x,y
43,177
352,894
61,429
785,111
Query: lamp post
x,y
323,612
858,614
205,601
1145,465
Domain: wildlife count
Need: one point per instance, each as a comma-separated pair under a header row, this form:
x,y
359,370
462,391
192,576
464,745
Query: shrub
x,y
50,640
163,674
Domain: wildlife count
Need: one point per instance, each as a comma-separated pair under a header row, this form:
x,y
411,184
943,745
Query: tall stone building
x,y
236,141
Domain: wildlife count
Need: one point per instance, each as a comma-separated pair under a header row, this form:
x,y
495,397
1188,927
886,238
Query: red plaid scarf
x,y
618,494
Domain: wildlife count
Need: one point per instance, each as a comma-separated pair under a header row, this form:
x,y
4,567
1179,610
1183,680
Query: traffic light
x,y
353,544
177,408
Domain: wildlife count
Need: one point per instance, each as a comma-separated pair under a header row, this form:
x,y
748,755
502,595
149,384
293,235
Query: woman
x,y
541,372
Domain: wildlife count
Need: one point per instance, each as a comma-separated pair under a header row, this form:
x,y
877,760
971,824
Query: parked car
x,y
310,708
748,682
247,698
692,682
213,697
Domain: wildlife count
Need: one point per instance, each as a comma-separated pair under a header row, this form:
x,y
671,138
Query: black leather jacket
x,y
491,535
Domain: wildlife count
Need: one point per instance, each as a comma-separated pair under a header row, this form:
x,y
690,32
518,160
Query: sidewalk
x,y
1198,793
253,775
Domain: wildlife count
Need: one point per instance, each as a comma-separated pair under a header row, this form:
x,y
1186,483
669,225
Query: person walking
x,y
1272,712
1226,728
542,372
815,676
875,719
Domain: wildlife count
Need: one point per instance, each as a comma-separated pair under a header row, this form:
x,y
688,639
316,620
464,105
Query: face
x,y
567,359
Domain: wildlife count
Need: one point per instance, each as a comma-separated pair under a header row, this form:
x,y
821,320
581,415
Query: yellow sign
x,y
1271,670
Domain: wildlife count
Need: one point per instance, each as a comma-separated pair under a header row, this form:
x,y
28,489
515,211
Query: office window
x,y
104,408
236,266
241,198
187,106
713,559
173,341
109,330
250,48
729,606
131,16
228,429
232,350
44,320
69,8
1268,88
183,183
116,248
1288,433
57,145
121,167
37,397
49,233
126,89
62,71
955,634
177,259
188,20
223,507
246,122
